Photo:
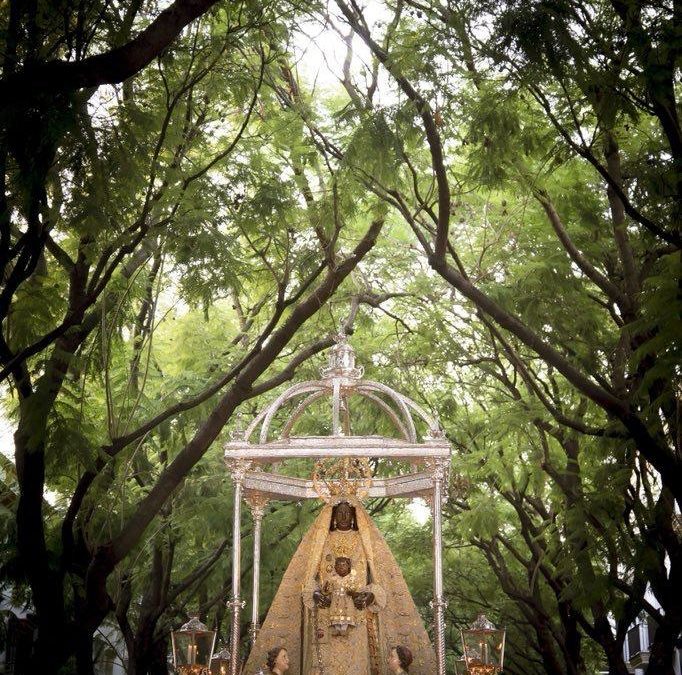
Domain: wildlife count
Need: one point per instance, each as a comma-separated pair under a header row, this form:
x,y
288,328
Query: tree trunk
x,y
614,657
662,651
148,655
47,588
547,652
84,645
139,659
572,640
612,648
158,662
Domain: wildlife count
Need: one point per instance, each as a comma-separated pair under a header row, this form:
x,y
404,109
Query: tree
x,y
495,209
633,383
88,229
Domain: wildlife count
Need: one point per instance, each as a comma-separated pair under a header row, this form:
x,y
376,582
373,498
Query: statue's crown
x,y
334,480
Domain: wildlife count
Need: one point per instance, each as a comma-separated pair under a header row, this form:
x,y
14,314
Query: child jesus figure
x,y
342,586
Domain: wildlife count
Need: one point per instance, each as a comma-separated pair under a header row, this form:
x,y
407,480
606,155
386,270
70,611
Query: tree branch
x,y
110,67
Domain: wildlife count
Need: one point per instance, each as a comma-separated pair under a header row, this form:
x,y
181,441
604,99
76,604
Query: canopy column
x,y
439,473
238,469
257,503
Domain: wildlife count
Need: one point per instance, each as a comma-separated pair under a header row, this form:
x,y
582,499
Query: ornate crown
x,y
334,479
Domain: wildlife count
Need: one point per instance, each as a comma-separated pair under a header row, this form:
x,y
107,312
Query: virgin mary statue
x,y
343,603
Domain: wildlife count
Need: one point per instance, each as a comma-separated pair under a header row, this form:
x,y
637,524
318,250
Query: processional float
x,y
251,451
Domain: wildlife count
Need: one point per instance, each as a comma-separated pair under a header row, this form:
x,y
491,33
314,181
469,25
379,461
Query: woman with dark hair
x,y
400,660
278,661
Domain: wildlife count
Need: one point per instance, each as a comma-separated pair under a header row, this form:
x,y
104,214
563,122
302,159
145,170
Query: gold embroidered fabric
x,y
364,648
341,630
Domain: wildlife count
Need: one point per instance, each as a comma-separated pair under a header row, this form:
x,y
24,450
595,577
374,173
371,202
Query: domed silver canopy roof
x,y
340,379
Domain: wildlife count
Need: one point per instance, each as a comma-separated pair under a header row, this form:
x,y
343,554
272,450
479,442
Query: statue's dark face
x,y
344,516
342,566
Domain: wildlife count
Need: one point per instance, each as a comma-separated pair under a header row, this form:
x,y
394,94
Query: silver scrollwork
x,y
238,469
257,502
438,467
441,603
235,603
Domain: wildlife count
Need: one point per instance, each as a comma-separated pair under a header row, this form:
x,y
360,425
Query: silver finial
x,y
342,361
482,622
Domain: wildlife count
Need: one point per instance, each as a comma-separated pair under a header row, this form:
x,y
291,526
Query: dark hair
x,y
354,519
272,656
404,656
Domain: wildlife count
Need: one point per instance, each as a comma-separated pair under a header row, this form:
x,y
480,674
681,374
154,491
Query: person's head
x,y
278,659
343,517
342,566
400,659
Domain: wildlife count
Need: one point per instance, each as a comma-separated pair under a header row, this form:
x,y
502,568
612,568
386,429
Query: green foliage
x,y
248,184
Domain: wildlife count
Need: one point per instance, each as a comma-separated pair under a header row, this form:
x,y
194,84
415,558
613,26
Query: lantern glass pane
x,y
192,650
483,650
460,667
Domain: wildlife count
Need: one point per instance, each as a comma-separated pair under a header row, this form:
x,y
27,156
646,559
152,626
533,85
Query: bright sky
x,y
321,51
420,511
